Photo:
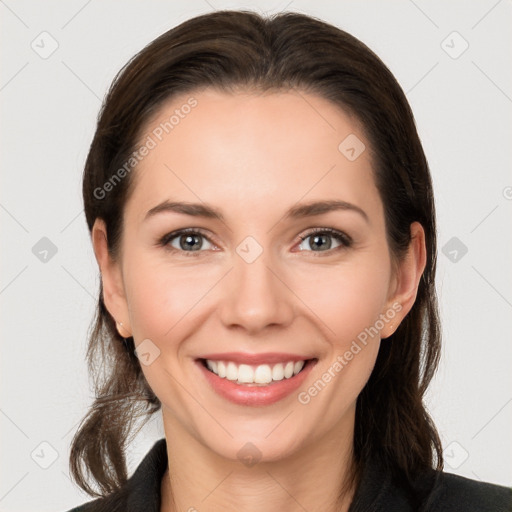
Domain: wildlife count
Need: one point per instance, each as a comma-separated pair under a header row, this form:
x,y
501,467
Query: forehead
x,y
252,149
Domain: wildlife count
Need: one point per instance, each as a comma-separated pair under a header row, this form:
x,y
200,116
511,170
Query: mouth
x,y
255,375
258,383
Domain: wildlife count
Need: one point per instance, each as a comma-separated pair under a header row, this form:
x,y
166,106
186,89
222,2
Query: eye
x,y
321,238
186,240
191,241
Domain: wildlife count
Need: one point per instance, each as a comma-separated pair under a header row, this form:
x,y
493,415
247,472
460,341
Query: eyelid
x,y
346,239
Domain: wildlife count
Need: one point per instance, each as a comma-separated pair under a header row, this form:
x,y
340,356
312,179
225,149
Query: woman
x,y
262,215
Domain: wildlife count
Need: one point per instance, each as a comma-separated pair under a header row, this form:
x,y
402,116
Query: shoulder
x,y
115,502
383,490
91,506
140,492
457,493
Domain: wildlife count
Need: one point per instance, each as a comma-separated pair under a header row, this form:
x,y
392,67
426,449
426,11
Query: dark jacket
x,y
436,492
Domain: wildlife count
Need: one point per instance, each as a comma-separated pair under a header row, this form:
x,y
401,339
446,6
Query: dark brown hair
x,y
242,51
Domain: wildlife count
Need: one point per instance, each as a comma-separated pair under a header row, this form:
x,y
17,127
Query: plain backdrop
x,y
58,59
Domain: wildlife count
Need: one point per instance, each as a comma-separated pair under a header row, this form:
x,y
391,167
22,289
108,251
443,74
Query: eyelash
x,y
341,237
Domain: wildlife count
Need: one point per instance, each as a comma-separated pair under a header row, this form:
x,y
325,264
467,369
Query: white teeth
x,y
212,365
221,369
288,370
261,374
297,367
278,372
245,373
232,371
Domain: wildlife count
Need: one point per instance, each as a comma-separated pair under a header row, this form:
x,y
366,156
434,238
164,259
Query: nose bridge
x,y
256,297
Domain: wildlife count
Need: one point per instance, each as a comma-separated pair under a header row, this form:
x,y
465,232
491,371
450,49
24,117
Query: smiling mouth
x,y
256,375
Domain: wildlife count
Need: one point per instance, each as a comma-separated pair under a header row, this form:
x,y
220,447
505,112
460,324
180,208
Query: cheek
x,y
162,296
164,301
350,309
347,299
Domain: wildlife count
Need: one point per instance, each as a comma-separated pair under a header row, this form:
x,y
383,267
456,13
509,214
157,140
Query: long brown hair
x,y
241,50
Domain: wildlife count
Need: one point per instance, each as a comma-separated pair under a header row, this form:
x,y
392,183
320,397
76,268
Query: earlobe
x,y
111,279
122,331
388,331
407,279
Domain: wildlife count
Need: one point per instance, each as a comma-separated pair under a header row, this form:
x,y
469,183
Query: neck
x,y
316,477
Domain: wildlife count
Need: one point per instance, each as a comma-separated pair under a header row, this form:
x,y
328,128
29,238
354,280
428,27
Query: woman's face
x,y
253,285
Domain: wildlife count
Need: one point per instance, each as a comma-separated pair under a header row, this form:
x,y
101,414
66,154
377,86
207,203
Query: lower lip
x,y
243,394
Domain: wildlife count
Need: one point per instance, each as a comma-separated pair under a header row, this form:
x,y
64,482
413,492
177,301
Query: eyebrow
x,y
295,212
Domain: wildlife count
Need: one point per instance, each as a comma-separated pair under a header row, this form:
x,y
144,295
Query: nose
x,y
256,296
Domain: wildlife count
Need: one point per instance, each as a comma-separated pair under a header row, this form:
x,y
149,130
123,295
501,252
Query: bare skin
x,y
253,157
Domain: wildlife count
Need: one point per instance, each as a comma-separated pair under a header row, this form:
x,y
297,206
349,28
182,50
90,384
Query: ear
x,y
111,279
404,286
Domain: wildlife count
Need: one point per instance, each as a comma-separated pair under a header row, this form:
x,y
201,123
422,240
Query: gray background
x,y
462,103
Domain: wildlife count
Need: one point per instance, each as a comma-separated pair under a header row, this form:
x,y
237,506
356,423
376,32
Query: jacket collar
x,y
376,492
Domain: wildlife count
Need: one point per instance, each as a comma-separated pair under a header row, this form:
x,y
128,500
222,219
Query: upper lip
x,y
246,358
